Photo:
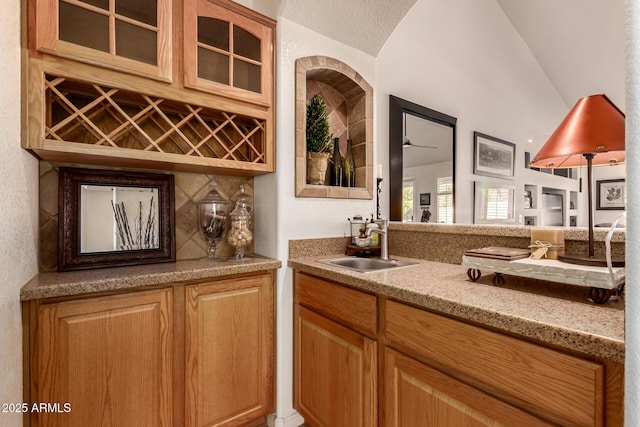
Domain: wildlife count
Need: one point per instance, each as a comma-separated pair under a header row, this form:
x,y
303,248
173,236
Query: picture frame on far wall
x,y
493,156
611,194
425,199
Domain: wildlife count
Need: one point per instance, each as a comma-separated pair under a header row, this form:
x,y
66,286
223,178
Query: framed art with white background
x,y
493,156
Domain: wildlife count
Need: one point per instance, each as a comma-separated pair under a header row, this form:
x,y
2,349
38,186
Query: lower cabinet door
x,y
105,361
229,342
417,395
335,373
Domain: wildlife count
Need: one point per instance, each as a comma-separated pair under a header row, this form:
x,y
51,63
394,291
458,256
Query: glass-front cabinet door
x,y
127,35
228,52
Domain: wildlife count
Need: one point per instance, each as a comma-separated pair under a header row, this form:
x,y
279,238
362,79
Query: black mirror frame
x,y
398,106
70,182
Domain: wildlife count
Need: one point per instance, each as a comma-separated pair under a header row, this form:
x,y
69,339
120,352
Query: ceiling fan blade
x,y
407,144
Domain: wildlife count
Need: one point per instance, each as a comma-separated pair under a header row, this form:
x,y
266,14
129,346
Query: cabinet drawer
x,y
350,307
560,388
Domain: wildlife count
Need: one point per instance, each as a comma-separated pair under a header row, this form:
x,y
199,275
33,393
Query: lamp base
x,y
591,261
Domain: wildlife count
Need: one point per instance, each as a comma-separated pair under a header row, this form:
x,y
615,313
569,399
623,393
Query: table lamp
x,y
593,130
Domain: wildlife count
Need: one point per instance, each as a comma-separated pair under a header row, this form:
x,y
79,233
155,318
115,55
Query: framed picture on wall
x,y
493,157
425,199
611,194
115,218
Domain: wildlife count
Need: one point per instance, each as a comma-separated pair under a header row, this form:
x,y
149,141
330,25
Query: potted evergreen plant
x,y
318,141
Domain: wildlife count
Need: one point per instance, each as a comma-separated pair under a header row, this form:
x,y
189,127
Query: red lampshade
x,y
594,125
593,130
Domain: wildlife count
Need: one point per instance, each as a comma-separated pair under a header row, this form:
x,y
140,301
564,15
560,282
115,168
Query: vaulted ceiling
x,y
363,24
579,43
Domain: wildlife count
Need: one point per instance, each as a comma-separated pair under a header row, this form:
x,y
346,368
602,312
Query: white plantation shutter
x,y
407,201
495,203
445,200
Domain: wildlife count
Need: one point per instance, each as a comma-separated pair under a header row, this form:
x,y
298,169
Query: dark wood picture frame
x,y
611,194
425,199
71,181
489,156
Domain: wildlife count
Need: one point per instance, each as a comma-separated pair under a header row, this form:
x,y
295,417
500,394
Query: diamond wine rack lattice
x,y
95,114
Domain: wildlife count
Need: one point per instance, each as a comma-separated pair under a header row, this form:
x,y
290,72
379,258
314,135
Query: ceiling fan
x,y
406,142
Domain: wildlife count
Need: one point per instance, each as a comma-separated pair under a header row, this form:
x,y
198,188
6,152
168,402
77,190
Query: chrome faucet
x,y
383,231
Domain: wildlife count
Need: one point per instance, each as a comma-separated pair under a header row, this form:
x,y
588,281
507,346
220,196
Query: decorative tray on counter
x,y
602,281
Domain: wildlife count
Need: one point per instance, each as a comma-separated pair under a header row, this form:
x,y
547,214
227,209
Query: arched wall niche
x,y
349,100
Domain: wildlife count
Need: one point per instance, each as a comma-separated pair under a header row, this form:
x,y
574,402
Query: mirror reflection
x,y
118,218
421,163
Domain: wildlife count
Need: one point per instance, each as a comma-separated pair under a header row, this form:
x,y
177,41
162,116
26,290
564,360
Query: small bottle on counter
x,y
374,236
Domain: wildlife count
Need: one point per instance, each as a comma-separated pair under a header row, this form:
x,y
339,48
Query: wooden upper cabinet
x,y
132,36
155,84
228,50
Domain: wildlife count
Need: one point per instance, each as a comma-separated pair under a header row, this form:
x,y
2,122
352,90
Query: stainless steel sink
x,y
366,265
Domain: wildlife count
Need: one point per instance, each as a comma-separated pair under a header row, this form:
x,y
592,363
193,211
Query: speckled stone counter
x,y
448,242
47,285
551,313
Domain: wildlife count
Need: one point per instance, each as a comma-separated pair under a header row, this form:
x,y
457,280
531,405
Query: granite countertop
x,y
551,313
47,285
570,233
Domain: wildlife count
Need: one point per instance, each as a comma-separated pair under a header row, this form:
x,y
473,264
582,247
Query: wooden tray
x,y
498,252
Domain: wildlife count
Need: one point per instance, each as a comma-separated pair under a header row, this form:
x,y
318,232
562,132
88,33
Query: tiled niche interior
x,y
349,100
189,188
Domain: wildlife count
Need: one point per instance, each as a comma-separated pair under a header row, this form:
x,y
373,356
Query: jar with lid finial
x,y
239,235
212,219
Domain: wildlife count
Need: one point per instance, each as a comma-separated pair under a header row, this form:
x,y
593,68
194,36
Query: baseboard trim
x,y
292,420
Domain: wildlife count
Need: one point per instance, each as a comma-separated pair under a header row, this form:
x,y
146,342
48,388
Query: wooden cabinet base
x,y
199,354
229,357
434,370
109,358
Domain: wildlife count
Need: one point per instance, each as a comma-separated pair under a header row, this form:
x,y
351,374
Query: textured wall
x,y
632,312
18,213
189,188
287,217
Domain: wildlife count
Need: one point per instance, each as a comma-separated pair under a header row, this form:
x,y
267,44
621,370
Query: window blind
x,y
445,200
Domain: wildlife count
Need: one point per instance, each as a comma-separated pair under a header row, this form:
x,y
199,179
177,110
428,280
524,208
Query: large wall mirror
x,y
421,163
111,218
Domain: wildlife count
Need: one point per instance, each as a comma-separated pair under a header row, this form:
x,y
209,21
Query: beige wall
x,y
18,212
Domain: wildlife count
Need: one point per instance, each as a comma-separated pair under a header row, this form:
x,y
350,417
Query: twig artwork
x,y
143,233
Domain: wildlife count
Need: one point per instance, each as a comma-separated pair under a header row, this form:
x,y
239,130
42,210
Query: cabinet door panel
x,y
84,27
355,309
419,396
109,357
557,386
130,36
229,347
213,30
335,376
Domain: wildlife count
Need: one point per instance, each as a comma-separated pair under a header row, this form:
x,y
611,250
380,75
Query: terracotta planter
x,y
317,164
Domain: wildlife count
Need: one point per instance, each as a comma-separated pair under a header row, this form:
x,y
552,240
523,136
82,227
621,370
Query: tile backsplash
x,y
189,188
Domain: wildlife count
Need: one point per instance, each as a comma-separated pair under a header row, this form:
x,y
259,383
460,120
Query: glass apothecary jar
x,y
212,214
239,235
